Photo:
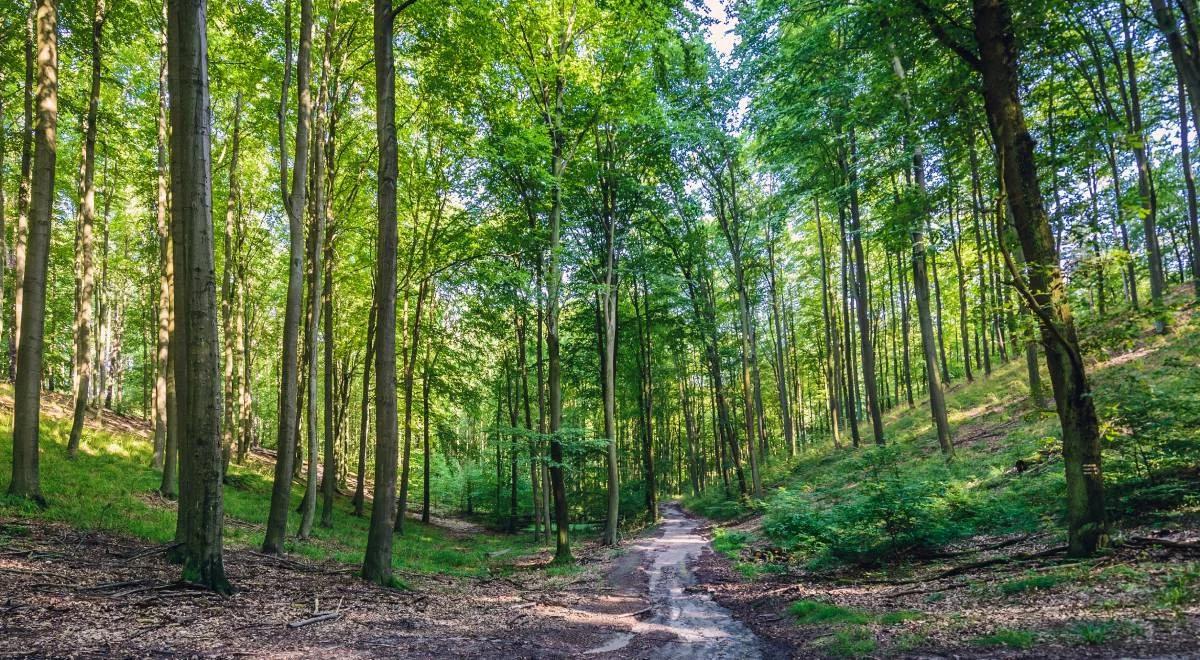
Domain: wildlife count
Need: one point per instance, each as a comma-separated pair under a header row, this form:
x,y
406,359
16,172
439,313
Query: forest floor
x,y
87,594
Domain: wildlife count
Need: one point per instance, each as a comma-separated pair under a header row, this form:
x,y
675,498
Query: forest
x,y
551,328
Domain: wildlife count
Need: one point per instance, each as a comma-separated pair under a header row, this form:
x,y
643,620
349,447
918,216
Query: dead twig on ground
x,y
318,618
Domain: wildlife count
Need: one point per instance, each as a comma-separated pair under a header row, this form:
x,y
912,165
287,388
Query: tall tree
x,y
294,204
27,388
196,340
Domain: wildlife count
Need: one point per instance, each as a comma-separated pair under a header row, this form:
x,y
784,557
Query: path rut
x,y
693,625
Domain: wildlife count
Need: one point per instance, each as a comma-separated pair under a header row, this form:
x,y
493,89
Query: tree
x,y
994,57
195,342
294,204
27,388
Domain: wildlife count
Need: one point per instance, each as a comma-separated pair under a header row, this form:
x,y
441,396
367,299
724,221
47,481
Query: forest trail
x,y
695,625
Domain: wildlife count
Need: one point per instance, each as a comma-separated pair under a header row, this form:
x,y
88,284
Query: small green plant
x,y
900,616
812,612
910,641
1092,632
1099,632
1181,588
853,642
730,543
1012,638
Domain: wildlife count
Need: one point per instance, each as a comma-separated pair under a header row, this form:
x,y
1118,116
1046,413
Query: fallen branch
x,y
634,614
152,551
911,592
323,616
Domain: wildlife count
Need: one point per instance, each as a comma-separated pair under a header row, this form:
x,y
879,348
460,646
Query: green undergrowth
x,y
851,630
873,505
110,487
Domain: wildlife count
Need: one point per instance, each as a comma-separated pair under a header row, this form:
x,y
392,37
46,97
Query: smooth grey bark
x,y
937,397
85,270
294,203
196,340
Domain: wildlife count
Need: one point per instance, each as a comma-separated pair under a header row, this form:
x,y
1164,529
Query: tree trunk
x,y
230,331
85,270
850,168
377,562
196,341
27,389
316,295
781,379
294,202
937,398
21,231
1149,197
364,413
1047,295
1193,227
833,366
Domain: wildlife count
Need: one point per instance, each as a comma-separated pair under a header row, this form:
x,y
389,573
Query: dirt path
x,y
682,623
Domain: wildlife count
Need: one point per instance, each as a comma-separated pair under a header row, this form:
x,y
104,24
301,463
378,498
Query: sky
x,y
720,33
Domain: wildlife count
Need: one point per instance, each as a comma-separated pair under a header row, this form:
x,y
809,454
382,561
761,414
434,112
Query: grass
x,y
730,543
1182,588
1096,633
1009,637
813,612
855,642
110,487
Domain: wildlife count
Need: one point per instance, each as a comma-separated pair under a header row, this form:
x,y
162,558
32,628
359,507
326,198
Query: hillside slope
x,y
894,550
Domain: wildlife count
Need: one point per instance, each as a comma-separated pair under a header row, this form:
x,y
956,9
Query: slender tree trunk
x,y
427,449
163,382
85,271
196,341
329,463
21,231
377,563
316,294
294,202
1185,151
937,400
364,413
1146,191
833,366
850,167
781,344
410,362
228,302
646,397
27,389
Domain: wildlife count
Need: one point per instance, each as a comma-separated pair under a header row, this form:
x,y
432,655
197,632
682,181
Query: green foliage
x,y
812,612
1010,637
890,512
110,487
1094,633
730,543
851,642
1182,588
